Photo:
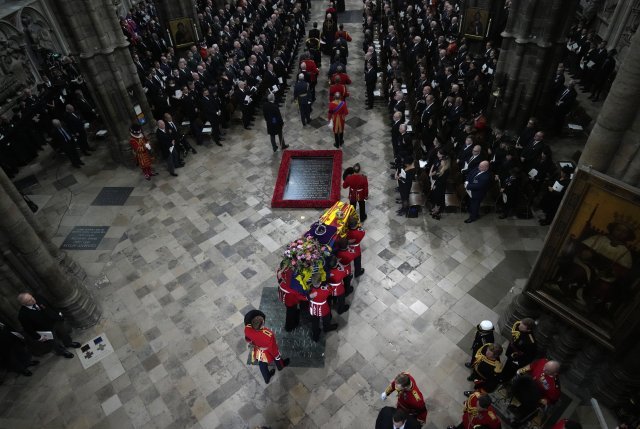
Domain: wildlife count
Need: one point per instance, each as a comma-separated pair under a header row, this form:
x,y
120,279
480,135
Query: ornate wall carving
x,y
27,36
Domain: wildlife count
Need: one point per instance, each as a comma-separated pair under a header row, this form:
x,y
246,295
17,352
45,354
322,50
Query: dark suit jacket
x,y
478,184
38,320
74,122
385,420
58,138
164,141
272,117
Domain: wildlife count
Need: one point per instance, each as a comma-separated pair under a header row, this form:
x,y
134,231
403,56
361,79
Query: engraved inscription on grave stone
x,y
309,179
84,238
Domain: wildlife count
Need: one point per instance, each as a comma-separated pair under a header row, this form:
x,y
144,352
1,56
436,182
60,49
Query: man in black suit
x,y
63,140
274,122
301,94
181,141
167,147
370,78
478,182
212,112
390,418
75,123
38,317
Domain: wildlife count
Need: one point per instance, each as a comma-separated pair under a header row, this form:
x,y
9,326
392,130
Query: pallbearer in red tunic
x,y
478,413
347,253
337,113
319,308
141,151
262,342
290,298
337,274
410,399
358,190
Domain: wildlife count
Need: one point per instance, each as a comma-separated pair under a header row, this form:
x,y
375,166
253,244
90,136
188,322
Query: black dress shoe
x,y
26,373
174,174
344,309
82,163
221,139
193,151
469,220
218,144
359,273
271,373
34,363
68,355
247,128
285,362
74,344
275,148
468,365
285,146
502,216
467,393
86,153
332,327
336,145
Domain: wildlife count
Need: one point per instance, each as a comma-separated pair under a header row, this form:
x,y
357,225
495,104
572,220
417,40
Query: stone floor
x,y
185,257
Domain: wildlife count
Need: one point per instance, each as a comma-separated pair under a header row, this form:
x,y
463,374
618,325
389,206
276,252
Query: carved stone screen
x,y
309,179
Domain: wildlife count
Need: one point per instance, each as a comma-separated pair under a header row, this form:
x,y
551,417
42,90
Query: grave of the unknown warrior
x,y
308,179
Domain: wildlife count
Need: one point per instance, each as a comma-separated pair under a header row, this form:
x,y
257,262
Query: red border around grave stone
x,y
281,181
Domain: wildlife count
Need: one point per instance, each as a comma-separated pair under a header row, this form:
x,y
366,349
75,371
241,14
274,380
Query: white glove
x,y
383,395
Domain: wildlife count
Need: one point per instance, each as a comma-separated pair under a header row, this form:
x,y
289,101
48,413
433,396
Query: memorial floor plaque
x,y
297,344
26,183
84,238
65,182
94,351
112,196
309,179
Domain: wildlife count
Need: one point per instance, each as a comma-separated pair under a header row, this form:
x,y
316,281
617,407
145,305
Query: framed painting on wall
x,y
476,21
182,32
588,272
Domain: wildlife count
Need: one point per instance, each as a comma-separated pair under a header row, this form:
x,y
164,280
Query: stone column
x,y
24,249
93,33
530,52
612,147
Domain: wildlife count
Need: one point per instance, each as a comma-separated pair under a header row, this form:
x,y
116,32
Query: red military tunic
x,y
548,385
473,415
348,255
336,280
355,236
311,68
339,88
344,34
410,401
559,424
358,186
318,301
288,296
265,348
344,78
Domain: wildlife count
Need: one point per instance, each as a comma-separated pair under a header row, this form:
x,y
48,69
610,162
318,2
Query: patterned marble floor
x,y
185,257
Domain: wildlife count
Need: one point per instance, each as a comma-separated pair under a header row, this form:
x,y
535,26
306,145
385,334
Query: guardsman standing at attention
x,y
319,308
290,298
263,343
478,413
358,185
522,348
484,335
410,399
487,369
